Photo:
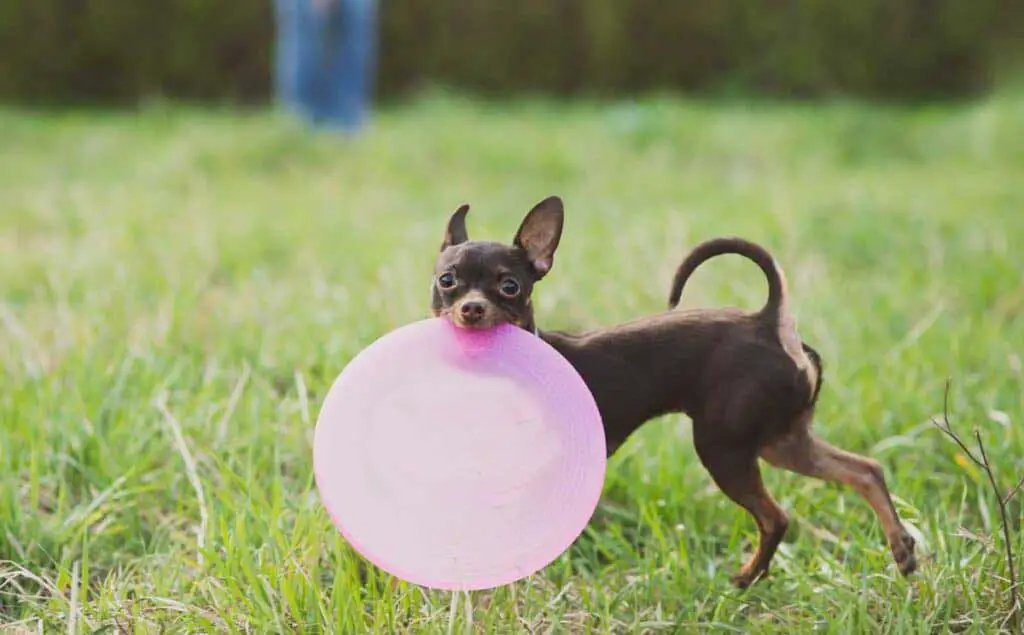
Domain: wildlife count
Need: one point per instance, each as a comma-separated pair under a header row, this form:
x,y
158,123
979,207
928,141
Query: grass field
x,y
180,288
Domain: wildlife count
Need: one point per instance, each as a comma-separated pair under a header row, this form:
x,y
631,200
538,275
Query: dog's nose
x,y
472,311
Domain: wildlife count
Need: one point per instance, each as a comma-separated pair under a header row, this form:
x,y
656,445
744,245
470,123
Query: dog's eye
x,y
446,280
509,288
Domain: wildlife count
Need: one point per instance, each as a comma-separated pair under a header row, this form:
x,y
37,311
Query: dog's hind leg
x,y
736,472
806,454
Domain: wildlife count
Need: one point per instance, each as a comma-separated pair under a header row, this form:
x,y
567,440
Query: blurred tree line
x,y
67,51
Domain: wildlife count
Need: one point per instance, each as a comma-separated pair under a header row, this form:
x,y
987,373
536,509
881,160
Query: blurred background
x,y
116,52
184,271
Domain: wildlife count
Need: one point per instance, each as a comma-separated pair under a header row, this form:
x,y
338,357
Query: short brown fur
x,y
745,379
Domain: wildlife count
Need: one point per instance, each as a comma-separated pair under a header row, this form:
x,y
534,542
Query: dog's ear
x,y
455,233
540,232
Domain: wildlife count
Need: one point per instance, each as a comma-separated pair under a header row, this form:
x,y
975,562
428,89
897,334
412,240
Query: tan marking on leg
x,y
739,478
808,455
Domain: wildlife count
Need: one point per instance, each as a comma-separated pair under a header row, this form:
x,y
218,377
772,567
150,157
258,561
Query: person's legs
x,y
298,59
351,56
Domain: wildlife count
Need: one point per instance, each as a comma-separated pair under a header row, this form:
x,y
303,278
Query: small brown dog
x,y
746,380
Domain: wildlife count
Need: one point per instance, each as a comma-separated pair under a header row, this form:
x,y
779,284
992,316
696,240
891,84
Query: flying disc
x,y
458,459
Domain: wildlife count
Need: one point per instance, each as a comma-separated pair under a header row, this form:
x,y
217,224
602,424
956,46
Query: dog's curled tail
x,y
731,245
775,313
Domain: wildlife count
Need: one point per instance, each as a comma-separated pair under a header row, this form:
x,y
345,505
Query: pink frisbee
x,y
458,459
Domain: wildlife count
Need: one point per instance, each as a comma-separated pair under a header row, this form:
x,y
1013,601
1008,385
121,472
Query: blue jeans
x,y
326,59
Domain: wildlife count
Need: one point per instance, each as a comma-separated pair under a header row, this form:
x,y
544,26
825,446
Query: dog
x,y
745,379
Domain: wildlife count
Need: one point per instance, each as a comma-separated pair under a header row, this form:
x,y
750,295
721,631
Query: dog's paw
x,y
903,554
745,578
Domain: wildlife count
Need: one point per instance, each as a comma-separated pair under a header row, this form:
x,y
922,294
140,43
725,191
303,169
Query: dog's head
x,y
480,284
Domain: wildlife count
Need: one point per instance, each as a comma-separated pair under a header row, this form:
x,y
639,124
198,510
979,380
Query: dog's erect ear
x,y
455,233
540,232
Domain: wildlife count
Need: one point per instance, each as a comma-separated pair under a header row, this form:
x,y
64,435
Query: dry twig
x,y
982,462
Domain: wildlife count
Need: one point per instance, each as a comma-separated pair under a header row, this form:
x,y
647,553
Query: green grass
x,y
210,273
